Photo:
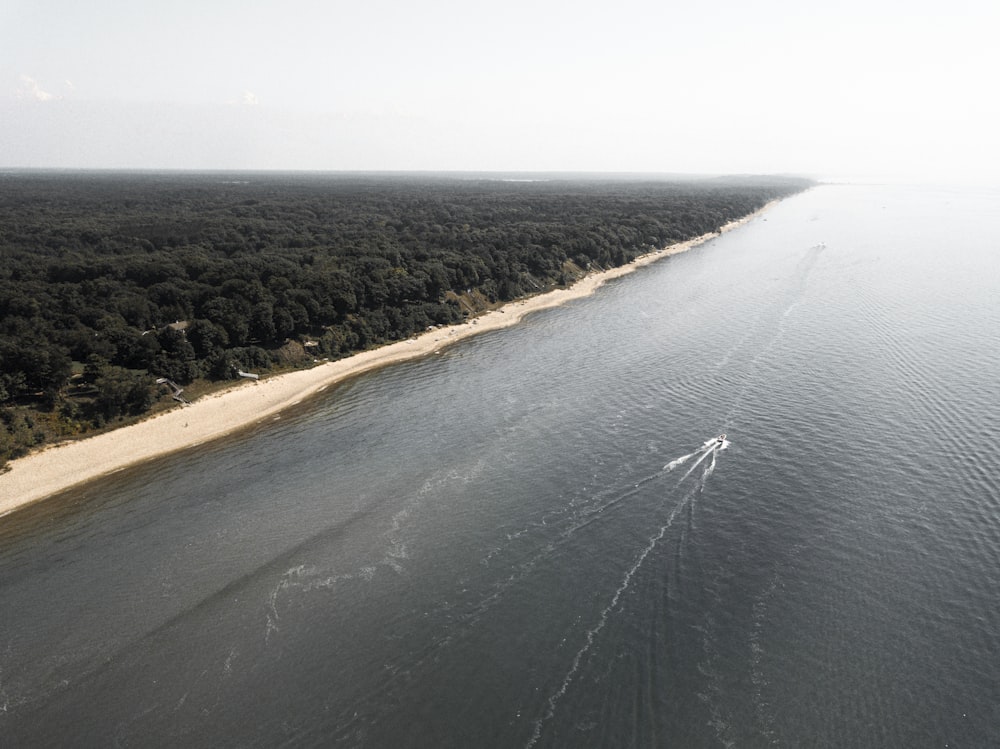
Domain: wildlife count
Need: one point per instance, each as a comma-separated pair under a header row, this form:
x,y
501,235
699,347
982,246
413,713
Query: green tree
x,y
206,337
122,392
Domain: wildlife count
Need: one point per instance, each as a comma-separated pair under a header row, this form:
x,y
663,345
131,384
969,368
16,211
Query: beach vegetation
x,y
109,281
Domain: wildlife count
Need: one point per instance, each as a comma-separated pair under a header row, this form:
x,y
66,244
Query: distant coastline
x,y
62,466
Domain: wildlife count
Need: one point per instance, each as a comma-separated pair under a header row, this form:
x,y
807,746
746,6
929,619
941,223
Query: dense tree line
x,y
108,281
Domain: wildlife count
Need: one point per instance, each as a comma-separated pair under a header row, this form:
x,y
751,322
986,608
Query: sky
x,y
902,89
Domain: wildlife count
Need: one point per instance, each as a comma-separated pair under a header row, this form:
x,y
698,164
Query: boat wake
x,y
583,517
709,450
543,540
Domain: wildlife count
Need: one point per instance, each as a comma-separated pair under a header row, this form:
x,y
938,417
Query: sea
x,y
535,538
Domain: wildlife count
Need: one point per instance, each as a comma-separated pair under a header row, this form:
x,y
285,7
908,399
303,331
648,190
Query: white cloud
x,y
31,90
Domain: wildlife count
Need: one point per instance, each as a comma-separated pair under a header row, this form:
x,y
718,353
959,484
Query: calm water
x,y
522,542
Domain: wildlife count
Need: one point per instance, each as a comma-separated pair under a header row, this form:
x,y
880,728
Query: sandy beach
x,y
61,466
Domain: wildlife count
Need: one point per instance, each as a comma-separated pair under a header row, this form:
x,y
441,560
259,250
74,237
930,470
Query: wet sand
x,y
62,466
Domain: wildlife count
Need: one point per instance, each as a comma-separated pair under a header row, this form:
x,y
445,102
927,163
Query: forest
x,y
113,281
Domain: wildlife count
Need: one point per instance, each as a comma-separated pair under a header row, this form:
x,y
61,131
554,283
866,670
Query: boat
x,y
721,438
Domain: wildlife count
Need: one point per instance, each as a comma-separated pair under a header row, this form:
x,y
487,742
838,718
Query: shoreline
x,y
62,466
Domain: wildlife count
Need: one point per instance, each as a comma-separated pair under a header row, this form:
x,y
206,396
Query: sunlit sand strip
x,y
64,465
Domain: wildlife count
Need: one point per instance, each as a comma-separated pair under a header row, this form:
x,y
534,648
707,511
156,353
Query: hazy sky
x,y
833,89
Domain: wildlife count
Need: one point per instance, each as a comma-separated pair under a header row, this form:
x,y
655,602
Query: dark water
x,y
487,548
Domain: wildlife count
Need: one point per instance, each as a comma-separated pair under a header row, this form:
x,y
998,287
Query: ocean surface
x,y
533,539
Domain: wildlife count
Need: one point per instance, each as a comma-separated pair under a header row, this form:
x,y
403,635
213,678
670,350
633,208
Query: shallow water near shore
x,y
526,541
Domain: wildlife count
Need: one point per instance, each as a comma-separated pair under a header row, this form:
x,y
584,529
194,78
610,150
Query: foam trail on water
x,y
601,622
570,524
706,448
591,515
709,449
710,468
681,460
698,462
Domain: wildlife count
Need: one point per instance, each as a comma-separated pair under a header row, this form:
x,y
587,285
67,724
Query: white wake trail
x,y
710,468
681,460
603,620
709,451
705,449
710,448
